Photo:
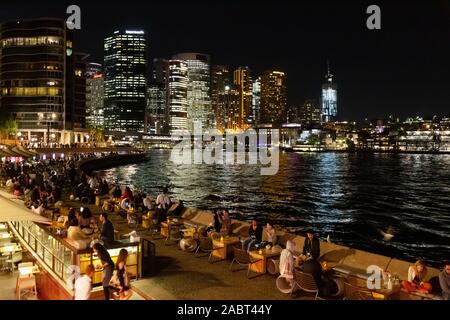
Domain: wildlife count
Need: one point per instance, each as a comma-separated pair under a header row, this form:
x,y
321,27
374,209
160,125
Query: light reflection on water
x,y
347,196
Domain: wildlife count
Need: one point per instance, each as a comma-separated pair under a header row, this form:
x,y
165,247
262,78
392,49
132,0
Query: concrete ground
x,y
181,275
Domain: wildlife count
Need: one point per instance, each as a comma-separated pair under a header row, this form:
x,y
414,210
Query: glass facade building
x,y
273,98
329,99
220,79
177,86
199,89
309,113
94,95
256,100
125,81
242,78
156,108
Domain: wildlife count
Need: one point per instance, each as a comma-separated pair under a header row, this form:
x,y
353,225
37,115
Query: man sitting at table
x,y
314,268
254,236
107,233
311,247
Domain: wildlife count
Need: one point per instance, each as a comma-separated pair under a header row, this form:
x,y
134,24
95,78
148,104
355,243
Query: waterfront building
x,y
329,98
125,81
156,108
199,89
256,100
242,78
42,79
219,81
309,113
273,97
177,85
232,101
94,95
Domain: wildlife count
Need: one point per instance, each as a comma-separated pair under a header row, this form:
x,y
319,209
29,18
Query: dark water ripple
x,y
347,196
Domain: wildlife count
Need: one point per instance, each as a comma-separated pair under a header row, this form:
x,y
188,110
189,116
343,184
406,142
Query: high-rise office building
x,y
256,100
156,108
160,69
198,92
125,81
273,98
220,79
94,95
309,113
177,86
242,78
42,79
329,98
231,99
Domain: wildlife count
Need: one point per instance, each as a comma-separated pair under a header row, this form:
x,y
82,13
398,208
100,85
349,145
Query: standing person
x,y
83,285
416,278
108,267
444,281
107,233
121,267
311,247
254,236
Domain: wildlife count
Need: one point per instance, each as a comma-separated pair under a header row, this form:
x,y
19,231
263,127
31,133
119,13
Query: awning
x,y
22,152
11,211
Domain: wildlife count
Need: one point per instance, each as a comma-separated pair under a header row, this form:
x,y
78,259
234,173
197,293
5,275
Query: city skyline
x,y
389,71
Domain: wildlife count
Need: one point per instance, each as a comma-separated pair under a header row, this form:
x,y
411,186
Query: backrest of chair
x,y
25,264
305,281
241,256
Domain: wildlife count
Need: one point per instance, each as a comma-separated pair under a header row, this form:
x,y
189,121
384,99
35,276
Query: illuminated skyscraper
x,y
219,80
309,113
232,102
177,85
198,90
273,98
329,98
42,78
94,95
125,81
157,106
242,78
256,100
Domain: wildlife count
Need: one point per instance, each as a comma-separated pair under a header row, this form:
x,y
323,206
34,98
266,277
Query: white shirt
x,y
162,201
83,288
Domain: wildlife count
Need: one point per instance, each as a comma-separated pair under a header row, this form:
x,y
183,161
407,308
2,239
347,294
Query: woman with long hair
x,y
107,265
416,278
122,275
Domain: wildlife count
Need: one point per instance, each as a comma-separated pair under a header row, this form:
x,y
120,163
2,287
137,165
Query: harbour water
x,y
344,195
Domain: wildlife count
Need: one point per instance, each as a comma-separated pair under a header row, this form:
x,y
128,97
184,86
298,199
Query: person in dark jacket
x,y
254,236
107,233
444,281
311,247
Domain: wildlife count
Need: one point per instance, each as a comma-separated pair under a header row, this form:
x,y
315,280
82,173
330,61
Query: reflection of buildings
x,y
198,90
243,79
273,98
94,95
125,81
329,99
42,79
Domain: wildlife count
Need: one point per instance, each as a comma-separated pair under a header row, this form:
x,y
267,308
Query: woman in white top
x,y
287,260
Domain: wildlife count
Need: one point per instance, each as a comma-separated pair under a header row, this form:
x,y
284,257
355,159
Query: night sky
x,y
402,69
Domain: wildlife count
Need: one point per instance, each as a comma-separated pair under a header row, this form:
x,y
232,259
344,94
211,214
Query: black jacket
x,y
314,268
107,234
256,233
312,247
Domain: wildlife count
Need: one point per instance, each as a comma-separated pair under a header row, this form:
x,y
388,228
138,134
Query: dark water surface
x,y
346,196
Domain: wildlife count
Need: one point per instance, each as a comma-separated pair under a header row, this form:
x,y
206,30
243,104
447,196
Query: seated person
x,y
127,193
416,278
107,232
271,235
226,224
39,208
74,232
444,281
311,247
254,236
314,268
148,202
117,192
287,260
85,218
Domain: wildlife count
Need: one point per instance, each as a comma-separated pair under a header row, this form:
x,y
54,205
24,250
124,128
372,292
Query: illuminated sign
x,y
134,32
